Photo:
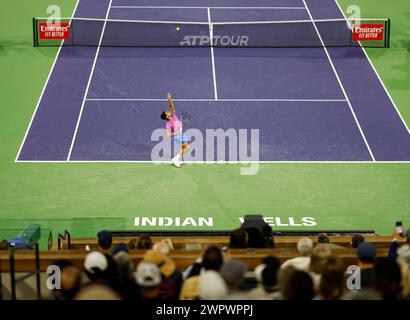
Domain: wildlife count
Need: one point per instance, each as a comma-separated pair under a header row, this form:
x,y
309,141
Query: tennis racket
x,y
185,119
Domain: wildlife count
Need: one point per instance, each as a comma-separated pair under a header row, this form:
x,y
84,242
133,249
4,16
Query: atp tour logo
x,y
54,31
218,41
368,32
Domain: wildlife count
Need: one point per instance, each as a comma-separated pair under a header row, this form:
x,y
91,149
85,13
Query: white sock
x,y
177,157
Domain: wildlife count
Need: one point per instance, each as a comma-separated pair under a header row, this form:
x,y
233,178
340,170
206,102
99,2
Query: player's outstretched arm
x,y
171,104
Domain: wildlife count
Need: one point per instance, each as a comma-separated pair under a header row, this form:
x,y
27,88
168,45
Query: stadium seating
x,y
25,261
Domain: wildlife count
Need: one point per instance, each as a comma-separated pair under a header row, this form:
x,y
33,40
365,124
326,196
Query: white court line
x,y
224,100
223,8
211,37
340,82
378,76
43,90
218,162
88,84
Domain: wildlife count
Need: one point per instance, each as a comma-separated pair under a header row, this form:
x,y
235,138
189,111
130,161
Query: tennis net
x,y
134,33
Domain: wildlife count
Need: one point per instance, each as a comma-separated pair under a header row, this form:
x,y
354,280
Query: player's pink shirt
x,y
174,125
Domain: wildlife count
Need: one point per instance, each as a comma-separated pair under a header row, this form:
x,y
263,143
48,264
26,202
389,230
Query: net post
x,y
37,257
35,32
388,26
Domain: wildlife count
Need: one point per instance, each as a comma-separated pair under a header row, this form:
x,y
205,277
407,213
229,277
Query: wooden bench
x,y
182,242
25,261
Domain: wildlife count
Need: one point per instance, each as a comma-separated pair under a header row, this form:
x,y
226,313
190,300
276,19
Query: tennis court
x,y
75,154
309,103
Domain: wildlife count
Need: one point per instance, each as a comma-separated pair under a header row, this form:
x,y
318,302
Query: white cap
x,y
97,260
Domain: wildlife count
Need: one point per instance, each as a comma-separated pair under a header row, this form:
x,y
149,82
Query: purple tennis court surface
x,y
309,104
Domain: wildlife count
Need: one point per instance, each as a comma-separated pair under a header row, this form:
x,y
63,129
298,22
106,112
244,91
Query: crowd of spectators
x,y
315,274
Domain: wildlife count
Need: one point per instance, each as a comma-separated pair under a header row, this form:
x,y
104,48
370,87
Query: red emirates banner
x,y
368,32
54,31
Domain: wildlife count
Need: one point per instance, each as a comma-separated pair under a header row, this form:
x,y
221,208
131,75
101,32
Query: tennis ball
x,y
178,28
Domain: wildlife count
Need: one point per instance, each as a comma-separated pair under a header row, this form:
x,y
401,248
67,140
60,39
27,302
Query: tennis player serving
x,y
174,130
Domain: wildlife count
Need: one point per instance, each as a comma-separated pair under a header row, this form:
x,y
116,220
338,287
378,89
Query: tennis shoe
x,y
175,162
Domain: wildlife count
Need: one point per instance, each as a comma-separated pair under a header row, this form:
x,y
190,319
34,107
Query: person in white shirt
x,y
302,262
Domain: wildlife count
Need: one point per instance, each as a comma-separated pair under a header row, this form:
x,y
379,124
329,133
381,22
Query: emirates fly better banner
x,y
368,32
54,31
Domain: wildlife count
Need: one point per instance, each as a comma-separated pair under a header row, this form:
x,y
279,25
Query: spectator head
x,y
404,253
70,278
233,272
95,265
407,235
212,259
238,239
4,245
169,243
319,257
270,277
104,239
97,292
332,282
404,261
296,285
387,278
269,261
323,238
121,247
144,242
284,275
212,286
161,246
125,266
366,253
190,289
305,246
148,275
166,265
132,244
357,239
